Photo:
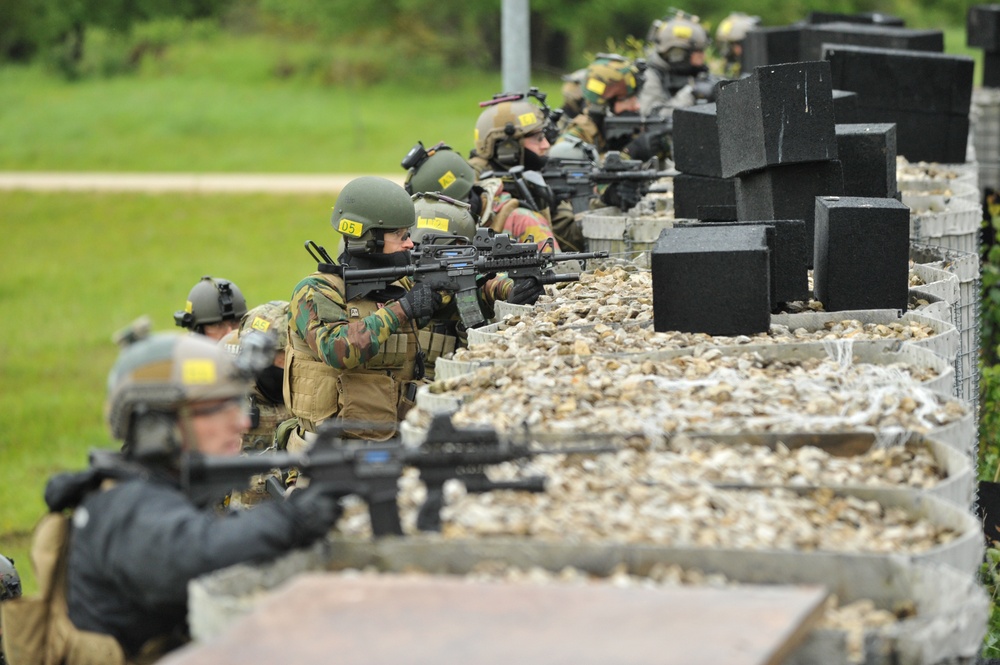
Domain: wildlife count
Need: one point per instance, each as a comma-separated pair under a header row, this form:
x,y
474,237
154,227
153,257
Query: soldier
x,y
10,588
214,308
359,359
267,406
611,89
675,58
729,38
442,170
136,538
512,133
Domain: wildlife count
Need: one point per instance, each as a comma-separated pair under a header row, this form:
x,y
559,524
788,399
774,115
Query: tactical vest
x,y
270,416
381,390
38,630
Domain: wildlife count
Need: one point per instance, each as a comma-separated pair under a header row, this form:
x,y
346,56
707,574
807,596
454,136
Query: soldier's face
x,y
397,241
537,143
219,330
626,105
219,426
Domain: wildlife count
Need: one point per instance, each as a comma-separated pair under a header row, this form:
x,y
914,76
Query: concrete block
x,y
924,137
982,27
861,253
696,140
771,46
872,18
781,114
868,157
717,213
693,191
903,80
711,280
879,36
788,192
991,69
845,107
789,257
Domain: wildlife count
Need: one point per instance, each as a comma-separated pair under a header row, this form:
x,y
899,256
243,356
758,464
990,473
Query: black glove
x,y
420,303
525,292
314,510
646,145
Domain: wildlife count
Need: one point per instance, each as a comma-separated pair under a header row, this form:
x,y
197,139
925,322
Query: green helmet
x,y
271,318
155,380
444,171
442,215
502,125
368,205
610,77
573,148
211,300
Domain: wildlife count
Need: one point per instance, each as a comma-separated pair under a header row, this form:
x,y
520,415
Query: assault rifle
x,y
371,470
569,180
456,268
619,130
626,181
527,186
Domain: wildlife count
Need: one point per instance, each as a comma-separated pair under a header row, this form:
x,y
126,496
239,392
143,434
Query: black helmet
x,y
211,300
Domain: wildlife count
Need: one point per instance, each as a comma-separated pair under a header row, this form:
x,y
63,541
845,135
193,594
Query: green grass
x,y
79,266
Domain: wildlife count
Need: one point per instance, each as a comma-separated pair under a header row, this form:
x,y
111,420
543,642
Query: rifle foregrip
x,y
558,279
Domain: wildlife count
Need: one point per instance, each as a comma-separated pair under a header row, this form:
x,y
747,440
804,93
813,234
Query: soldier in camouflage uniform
x,y
676,58
516,133
611,89
358,359
214,308
10,588
729,38
444,171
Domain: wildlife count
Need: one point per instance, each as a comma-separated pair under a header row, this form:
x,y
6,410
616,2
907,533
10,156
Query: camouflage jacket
x,y
583,127
505,214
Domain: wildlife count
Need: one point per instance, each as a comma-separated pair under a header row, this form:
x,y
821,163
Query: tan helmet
x,y
211,300
444,216
674,40
441,170
733,30
155,380
365,207
270,318
502,125
610,77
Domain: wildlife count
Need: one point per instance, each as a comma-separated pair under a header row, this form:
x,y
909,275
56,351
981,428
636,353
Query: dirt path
x,y
181,182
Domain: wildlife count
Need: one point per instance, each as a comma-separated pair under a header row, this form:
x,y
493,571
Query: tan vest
x,y
380,390
37,630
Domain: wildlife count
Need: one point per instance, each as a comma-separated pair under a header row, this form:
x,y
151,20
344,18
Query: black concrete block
x,y
717,213
861,253
924,137
714,281
991,69
788,192
790,254
693,191
982,27
696,140
861,17
771,46
905,80
878,36
781,114
868,157
845,107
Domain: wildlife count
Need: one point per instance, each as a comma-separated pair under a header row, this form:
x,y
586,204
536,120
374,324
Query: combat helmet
x,y
733,30
368,207
610,77
439,169
442,215
10,581
270,318
675,39
211,300
503,124
572,148
153,384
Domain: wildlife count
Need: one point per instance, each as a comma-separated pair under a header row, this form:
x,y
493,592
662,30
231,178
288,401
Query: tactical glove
x,y
646,145
315,510
420,303
525,292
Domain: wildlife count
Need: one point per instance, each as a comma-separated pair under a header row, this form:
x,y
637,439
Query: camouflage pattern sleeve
x,y
316,314
524,223
496,289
